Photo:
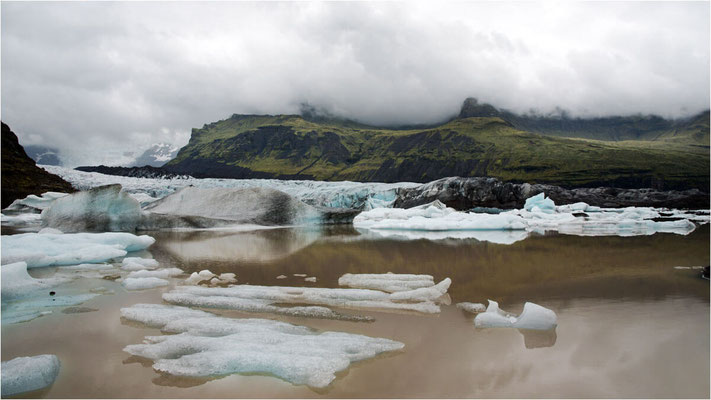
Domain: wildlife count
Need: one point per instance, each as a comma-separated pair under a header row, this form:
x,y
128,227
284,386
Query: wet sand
x,y
629,324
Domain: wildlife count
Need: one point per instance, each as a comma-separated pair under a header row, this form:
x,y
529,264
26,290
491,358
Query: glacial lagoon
x,y
632,316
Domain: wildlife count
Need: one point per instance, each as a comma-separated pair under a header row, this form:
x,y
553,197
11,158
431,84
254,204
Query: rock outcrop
x,y
21,176
467,193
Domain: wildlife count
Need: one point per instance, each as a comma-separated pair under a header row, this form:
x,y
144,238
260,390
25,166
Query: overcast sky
x,y
100,79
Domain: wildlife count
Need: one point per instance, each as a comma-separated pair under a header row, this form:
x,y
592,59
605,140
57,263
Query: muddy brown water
x,y
629,324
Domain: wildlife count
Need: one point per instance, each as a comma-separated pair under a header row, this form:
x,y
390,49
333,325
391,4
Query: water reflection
x,y
534,339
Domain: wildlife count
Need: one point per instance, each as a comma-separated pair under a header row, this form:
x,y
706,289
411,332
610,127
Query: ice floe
x,y
41,250
24,374
17,283
496,237
143,283
138,263
270,299
533,317
208,345
310,279
158,273
388,282
101,209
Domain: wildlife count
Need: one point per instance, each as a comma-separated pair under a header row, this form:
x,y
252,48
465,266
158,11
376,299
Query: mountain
x,y
157,155
21,176
43,155
692,131
481,141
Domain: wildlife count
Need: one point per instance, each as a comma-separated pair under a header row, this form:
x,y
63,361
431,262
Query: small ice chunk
x,y
215,281
281,277
228,277
208,345
143,283
53,231
158,273
197,277
533,317
310,279
138,263
24,374
474,308
301,275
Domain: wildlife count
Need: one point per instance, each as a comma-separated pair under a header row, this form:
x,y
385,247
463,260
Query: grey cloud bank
x,y
100,80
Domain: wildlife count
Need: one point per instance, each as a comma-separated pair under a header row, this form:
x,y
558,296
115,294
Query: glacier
x,y
203,344
24,374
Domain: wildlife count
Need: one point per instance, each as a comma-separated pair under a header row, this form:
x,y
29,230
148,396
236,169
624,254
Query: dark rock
x,y
21,177
467,193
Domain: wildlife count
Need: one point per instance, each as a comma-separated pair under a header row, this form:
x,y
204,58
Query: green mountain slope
x,y
290,147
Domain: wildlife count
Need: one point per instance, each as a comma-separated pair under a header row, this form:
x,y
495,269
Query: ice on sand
x,y
208,345
24,374
533,317
42,250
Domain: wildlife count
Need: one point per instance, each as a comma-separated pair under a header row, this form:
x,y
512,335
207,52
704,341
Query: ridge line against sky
x,y
117,77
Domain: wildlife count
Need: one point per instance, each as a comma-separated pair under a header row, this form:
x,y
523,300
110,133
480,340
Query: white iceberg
x,y
533,317
143,283
208,345
21,219
42,250
101,209
24,374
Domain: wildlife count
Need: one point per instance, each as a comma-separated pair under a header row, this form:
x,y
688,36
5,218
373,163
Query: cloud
x,y
100,79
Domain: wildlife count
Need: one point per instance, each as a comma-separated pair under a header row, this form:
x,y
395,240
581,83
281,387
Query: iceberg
x,y
42,250
533,317
496,237
101,209
17,283
541,203
21,219
204,344
24,374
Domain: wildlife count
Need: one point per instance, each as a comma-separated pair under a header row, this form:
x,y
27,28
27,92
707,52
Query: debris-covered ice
x,y
533,317
41,250
24,374
101,209
208,345
473,308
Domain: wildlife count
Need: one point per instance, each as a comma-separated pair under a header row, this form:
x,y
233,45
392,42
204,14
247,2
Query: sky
x,y
102,81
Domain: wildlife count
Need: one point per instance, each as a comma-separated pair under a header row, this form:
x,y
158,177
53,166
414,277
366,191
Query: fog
x,y
102,81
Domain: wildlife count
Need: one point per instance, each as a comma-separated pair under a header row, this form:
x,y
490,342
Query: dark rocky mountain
x,y
43,155
21,176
